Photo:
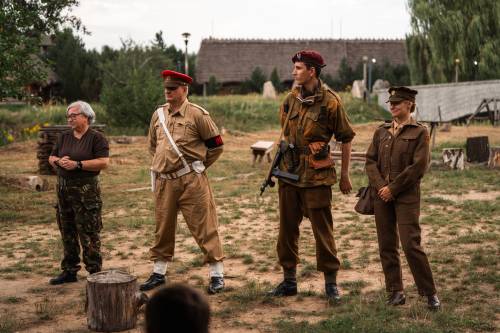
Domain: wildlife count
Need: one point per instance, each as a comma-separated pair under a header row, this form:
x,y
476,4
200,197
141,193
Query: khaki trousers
x,y
191,194
314,203
390,218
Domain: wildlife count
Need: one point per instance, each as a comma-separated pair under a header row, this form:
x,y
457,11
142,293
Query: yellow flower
x,y
10,138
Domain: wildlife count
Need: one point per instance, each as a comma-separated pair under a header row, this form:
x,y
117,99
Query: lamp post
x,y
186,65
365,60
372,63
457,62
476,63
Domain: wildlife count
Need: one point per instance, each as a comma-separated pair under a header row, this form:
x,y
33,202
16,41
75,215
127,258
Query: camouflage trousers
x,y
79,219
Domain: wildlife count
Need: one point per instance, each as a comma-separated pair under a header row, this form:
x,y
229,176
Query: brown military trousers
x,y
391,217
314,203
192,195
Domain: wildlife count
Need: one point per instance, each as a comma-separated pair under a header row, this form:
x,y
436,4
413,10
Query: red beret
x,y
310,57
175,79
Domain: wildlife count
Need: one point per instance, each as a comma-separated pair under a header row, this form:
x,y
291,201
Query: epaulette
x,y
336,95
205,112
161,106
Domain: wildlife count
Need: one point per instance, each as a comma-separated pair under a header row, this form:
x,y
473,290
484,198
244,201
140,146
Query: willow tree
x,y
445,30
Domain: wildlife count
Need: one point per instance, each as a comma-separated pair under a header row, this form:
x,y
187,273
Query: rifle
x,y
274,170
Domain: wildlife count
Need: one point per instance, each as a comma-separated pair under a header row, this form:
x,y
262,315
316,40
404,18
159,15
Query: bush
x,y
132,85
255,83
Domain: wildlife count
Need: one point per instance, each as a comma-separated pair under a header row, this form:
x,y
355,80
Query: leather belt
x,y
176,174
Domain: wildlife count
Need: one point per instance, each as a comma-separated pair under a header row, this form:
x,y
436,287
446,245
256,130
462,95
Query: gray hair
x,y
84,108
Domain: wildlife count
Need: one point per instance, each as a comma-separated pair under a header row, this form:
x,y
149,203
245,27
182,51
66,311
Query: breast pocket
x,y
384,144
405,146
179,131
315,126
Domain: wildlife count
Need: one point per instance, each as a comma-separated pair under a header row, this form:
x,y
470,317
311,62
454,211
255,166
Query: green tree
x,y
77,69
275,79
212,86
256,81
132,85
22,25
443,30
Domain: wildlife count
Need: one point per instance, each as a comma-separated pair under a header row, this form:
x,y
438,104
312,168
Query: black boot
x,y
396,298
154,281
216,285
64,277
332,292
433,303
287,287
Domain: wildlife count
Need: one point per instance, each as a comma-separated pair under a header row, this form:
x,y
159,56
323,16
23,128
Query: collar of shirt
x,y
181,111
310,100
397,127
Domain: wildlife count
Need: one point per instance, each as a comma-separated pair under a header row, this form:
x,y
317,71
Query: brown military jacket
x,y
315,118
399,161
190,127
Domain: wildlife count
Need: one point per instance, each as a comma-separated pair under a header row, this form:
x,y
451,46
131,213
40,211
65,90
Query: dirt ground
x,y
460,224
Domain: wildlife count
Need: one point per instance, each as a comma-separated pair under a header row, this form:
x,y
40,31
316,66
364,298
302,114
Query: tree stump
x,y
112,301
494,160
453,158
478,149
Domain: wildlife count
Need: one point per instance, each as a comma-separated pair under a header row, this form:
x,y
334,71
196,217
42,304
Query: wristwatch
x,y
79,165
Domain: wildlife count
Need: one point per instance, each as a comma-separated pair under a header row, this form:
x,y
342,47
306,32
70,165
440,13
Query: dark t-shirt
x,y
90,146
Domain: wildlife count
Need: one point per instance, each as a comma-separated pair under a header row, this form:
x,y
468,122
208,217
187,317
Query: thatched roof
x,y
233,60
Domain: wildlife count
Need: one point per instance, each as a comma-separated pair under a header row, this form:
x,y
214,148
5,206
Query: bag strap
x,y
161,117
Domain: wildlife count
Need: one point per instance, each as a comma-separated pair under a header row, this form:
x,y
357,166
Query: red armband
x,y
214,142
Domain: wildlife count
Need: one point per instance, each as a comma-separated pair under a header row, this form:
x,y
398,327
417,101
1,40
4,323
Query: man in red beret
x,y
310,115
183,141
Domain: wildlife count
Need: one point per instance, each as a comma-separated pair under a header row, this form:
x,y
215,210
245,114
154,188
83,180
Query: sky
x,y
111,21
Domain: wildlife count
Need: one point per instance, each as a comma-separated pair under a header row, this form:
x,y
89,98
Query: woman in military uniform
x,y
395,163
79,155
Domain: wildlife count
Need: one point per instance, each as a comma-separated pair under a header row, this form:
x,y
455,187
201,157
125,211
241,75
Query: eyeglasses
x,y
73,115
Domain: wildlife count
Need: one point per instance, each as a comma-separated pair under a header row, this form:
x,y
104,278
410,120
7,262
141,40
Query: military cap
x,y
174,79
309,57
399,94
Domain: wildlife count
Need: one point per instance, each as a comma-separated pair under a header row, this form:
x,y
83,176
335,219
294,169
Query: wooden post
x,y
112,301
433,134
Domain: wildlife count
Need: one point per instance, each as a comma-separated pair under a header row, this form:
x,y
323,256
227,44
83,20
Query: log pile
x,y
47,137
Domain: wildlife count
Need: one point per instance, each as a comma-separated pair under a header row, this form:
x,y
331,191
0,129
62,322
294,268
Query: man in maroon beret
x,y
310,115
183,142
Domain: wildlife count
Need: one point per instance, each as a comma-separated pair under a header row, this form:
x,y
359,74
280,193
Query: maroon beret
x,y
309,57
175,79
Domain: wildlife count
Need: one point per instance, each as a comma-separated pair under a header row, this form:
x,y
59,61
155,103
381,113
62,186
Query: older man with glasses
x,y
183,142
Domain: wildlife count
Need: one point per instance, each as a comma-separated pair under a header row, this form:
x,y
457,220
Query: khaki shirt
x,y
395,126
190,127
312,119
399,161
